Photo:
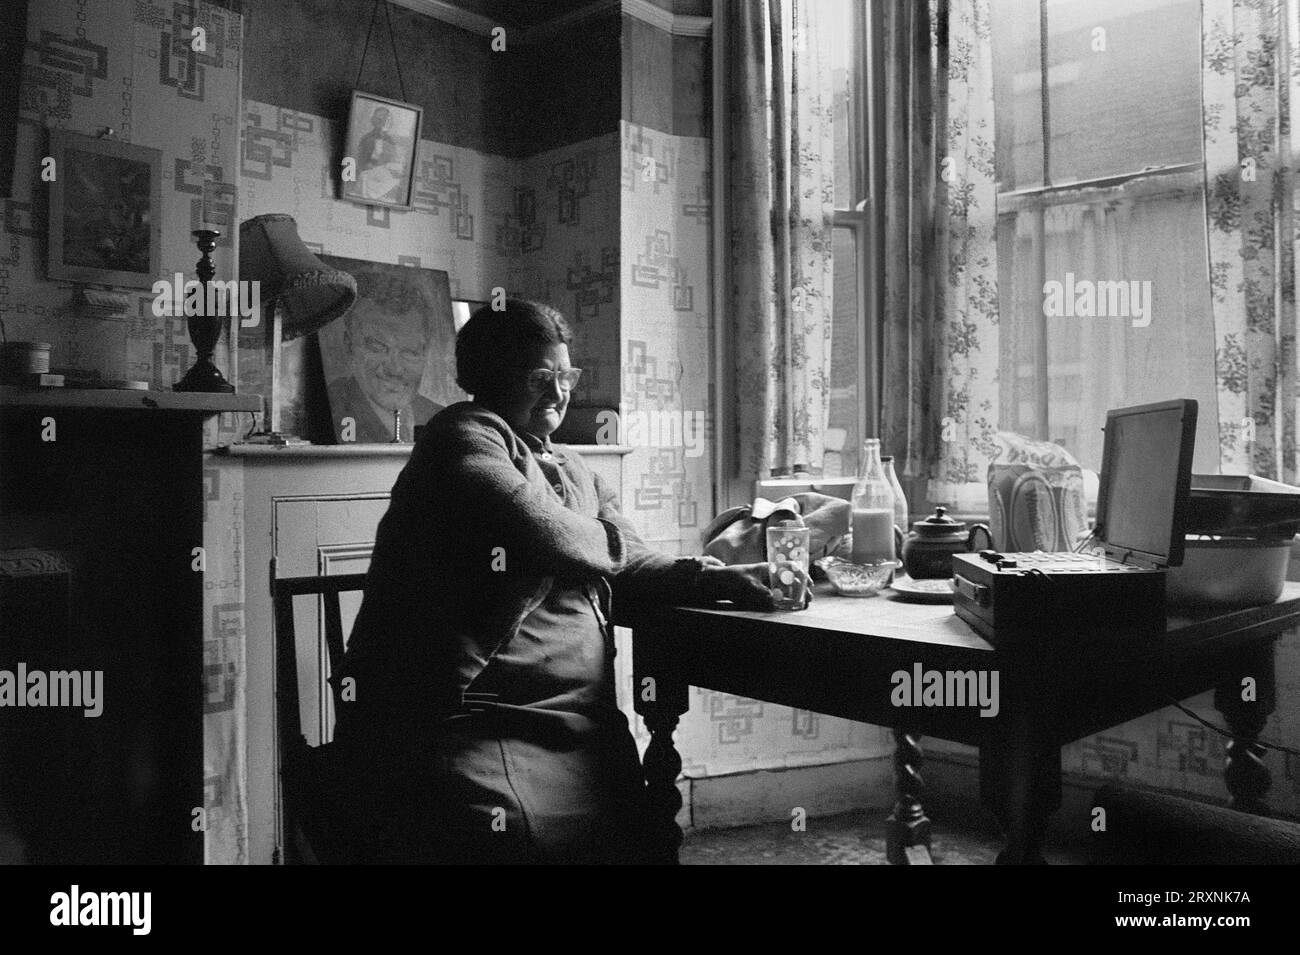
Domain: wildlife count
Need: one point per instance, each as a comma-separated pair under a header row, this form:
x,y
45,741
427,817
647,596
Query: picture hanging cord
x,y
392,40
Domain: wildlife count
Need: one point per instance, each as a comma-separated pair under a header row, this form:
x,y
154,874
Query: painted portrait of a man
x,y
388,352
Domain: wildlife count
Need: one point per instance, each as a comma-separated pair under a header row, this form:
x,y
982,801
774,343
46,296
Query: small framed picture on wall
x,y
105,211
382,141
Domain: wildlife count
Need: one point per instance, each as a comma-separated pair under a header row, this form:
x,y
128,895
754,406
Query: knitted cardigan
x,y
474,538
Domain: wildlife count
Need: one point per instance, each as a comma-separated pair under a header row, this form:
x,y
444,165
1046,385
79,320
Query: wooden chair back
x,y
311,835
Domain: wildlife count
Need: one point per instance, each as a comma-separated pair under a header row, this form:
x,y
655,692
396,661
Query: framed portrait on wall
x,y
105,211
382,141
394,350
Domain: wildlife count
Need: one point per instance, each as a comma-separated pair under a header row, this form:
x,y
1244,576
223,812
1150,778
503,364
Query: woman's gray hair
x,y
493,342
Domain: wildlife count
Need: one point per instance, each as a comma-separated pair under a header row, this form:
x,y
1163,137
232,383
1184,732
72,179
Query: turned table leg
x,y
660,699
1020,782
1246,698
907,840
662,765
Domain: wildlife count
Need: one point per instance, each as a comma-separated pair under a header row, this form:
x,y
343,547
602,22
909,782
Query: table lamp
x,y
299,294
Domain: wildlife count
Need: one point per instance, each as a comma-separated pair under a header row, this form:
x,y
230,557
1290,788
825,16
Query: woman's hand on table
x,y
745,585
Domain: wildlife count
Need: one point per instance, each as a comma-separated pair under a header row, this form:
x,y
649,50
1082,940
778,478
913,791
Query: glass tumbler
x,y
787,566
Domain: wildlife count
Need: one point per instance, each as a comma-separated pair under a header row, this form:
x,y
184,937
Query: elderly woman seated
x,y
482,709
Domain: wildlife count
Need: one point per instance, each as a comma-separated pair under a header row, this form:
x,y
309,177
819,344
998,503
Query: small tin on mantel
x,y
20,360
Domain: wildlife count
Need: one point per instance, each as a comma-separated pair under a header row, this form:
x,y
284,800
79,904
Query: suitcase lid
x,y
1146,472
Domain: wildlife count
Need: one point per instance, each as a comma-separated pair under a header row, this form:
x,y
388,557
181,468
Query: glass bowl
x,y
857,580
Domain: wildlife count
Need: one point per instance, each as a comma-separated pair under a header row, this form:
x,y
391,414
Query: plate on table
x,y
923,591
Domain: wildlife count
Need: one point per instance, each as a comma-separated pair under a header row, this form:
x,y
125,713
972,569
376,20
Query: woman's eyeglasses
x,y
539,379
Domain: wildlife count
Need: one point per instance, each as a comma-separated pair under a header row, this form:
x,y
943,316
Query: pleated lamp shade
x,y
298,294
298,288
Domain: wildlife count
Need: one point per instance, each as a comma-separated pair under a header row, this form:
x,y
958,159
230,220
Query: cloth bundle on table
x,y
739,534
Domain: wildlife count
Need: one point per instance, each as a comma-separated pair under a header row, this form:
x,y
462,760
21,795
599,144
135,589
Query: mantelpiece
x,y
111,399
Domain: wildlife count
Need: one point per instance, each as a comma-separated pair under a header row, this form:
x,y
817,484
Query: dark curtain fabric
x,y
780,210
939,402
912,95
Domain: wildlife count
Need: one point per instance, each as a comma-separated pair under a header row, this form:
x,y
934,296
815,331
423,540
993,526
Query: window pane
x,y
1020,323
838,39
1124,85
1017,94
842,440
1159,346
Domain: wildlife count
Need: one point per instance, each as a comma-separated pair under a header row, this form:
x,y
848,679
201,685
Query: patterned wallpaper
x,y
130,65
562,230
665,333
225,730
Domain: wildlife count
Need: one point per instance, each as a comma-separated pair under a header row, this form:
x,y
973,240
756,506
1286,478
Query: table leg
x,y
662,765
1020,782
1246,707
660,700
908,826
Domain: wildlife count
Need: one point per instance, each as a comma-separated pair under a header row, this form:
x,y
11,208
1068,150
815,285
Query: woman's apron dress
x,y
541,766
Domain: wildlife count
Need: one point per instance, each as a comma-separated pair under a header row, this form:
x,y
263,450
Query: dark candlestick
x,y
205,330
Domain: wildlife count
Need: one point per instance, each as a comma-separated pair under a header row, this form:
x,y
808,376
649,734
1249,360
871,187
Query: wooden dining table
x,y
841,657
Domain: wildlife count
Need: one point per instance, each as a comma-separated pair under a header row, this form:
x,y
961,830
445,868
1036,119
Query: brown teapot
x,y
928,550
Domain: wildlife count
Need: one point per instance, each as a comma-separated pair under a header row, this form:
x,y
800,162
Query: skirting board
x,y
769,796
772,795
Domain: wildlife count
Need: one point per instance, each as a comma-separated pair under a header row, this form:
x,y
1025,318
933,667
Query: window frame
x,y
861,217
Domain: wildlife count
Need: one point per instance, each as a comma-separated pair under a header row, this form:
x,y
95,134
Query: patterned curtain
x,y
939,402
780,213
1251,104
